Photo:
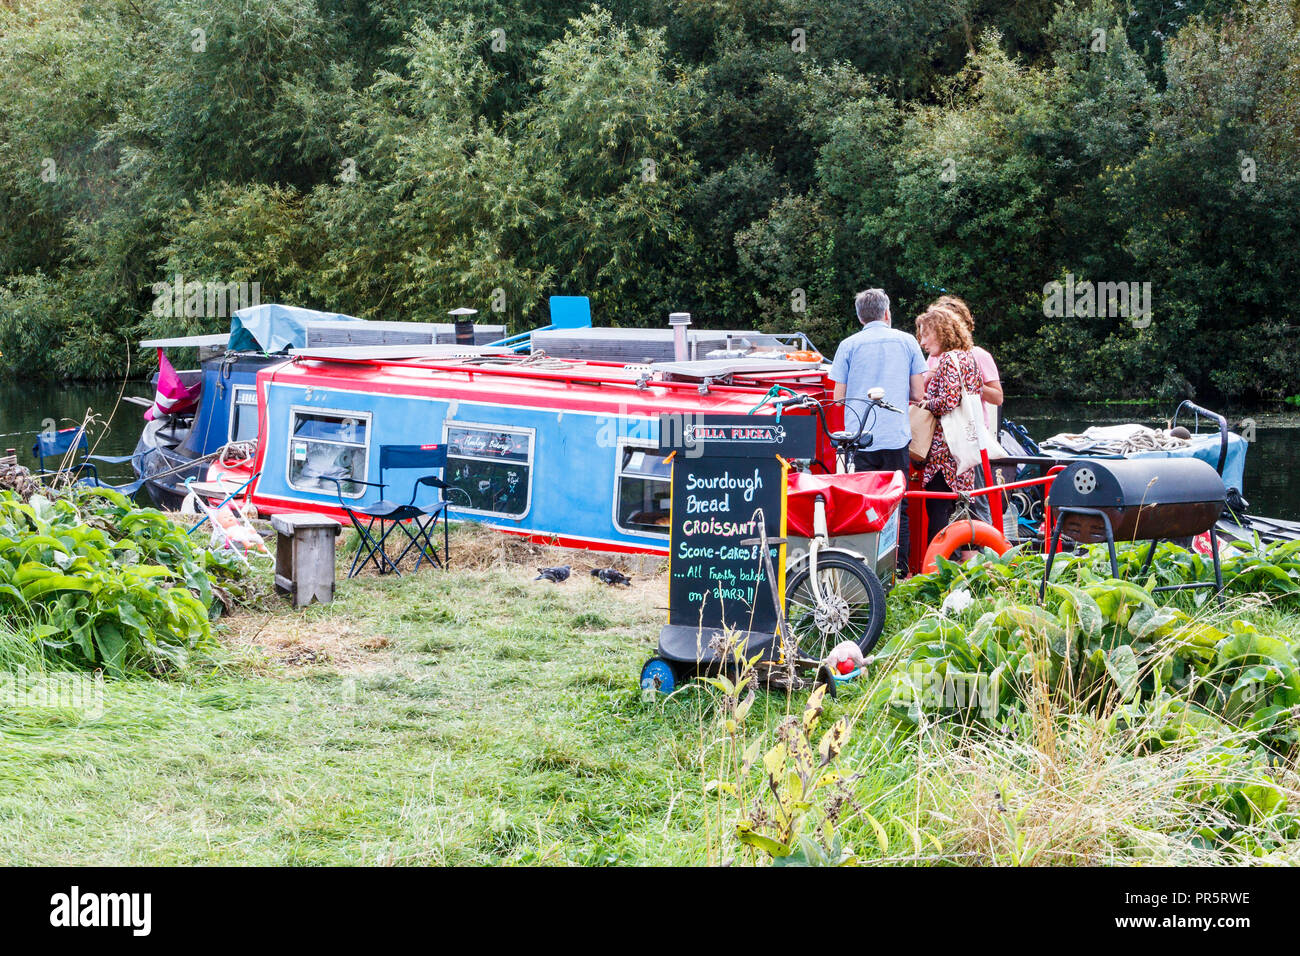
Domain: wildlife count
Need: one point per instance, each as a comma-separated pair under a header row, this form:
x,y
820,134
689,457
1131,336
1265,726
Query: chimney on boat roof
x,y
464,325
678,321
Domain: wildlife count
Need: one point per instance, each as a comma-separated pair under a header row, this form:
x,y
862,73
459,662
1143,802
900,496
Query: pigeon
x,y
611,576
553,574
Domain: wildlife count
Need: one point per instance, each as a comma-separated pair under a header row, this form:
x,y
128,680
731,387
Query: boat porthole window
x,y
243,413
329,445
644,490
489,469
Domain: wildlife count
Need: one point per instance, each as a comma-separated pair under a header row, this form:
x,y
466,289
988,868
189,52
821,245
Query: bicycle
x,y
831,593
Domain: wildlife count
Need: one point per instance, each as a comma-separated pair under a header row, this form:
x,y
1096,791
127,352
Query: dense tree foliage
x,y
752,161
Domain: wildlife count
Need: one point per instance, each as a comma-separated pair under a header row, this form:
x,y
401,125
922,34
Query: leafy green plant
x,y
1102,643
787,800
1270,571
104,584
793,813
1164,669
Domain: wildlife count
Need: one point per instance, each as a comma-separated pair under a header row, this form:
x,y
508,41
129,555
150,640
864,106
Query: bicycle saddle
x,y
845,438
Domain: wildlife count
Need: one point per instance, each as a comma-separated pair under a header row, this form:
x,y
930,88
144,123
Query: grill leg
x,y
1151,551
1056,541
1110,543
1218,569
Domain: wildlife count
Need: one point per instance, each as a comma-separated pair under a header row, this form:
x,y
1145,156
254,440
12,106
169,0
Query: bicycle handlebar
x,y
807,401
803,400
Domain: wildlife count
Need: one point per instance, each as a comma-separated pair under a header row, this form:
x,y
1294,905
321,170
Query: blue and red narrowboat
x,y
563,451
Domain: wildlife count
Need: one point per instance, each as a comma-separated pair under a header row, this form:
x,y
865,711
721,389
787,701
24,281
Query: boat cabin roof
x,y
372,353
722,368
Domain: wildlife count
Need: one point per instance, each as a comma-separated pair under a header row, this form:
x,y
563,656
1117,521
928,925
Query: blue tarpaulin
x,y
273,328
1206,447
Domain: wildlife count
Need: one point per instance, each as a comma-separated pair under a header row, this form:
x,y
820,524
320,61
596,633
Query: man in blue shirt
x,y
891,359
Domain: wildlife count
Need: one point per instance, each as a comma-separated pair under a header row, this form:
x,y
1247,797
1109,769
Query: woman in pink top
x,y
991,393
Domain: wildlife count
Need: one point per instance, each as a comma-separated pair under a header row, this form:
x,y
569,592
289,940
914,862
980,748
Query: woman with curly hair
x,y
944,336
991,392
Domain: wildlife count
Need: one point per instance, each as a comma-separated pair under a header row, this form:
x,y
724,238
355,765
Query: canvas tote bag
x,y
962,428
966,431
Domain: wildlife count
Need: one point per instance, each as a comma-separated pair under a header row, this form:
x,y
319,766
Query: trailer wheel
x,y
659,675
852,605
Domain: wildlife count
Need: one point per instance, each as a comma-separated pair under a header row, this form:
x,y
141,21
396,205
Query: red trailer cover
x,y
856,503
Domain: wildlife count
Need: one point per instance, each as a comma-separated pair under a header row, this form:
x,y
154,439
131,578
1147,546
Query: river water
x,y
1271,462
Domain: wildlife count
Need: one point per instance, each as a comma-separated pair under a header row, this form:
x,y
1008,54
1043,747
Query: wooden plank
x,y
295,522
187,341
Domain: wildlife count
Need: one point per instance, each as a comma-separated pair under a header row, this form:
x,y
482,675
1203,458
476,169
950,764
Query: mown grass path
x,y
466,717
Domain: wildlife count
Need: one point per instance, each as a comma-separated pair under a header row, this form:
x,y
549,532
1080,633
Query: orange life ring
x,y
960,533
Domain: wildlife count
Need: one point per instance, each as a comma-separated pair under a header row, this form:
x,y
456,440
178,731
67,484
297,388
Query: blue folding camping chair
x,y
417,522
56,444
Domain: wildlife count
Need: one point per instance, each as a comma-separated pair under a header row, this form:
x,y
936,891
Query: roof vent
x,y
678,321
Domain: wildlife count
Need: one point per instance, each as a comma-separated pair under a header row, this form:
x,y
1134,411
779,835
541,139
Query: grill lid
x,y
1143,498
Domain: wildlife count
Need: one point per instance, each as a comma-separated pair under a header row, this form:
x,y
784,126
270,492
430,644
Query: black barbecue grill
x,y
1136,499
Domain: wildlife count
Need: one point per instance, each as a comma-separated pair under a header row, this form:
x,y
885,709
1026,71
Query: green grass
x,y
480,717
501,723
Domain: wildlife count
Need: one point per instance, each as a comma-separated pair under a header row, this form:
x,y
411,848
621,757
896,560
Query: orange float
x,y
960,534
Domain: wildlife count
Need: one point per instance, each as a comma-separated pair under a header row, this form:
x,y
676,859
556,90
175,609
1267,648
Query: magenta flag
x,y
172,396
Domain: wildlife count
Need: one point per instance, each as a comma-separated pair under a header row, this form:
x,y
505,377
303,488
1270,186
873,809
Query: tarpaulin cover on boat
x,y
1138,441
1205,446
273,328
856,503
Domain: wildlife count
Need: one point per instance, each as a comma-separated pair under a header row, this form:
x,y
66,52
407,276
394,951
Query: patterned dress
x,y
957,372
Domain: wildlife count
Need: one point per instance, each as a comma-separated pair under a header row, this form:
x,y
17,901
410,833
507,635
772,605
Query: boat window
x,y
329,445
243,414
644,490
490,467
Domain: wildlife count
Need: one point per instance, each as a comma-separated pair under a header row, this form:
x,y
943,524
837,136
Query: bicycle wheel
x,y
852,606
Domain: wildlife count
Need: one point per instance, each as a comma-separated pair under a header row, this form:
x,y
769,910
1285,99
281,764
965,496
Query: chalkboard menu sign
x,y
727,478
